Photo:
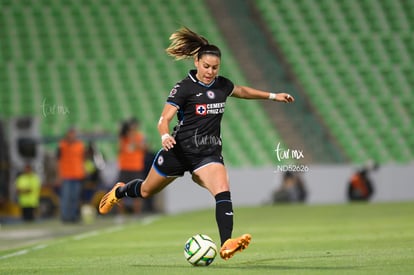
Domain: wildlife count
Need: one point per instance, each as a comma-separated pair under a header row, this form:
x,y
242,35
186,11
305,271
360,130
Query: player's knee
x,y
149,192
145,194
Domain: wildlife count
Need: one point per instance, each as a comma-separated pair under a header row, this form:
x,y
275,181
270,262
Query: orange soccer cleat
x,y
231,246
109,199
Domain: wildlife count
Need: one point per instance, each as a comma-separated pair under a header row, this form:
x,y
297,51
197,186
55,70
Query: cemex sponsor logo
x,y
210,109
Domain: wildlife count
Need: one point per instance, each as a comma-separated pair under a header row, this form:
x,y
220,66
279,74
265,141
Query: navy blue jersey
x,y
200,110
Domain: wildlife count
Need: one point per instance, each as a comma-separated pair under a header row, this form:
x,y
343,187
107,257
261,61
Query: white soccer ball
x,y
200,250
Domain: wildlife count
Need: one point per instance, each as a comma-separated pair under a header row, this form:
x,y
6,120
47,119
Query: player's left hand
x,y
284,97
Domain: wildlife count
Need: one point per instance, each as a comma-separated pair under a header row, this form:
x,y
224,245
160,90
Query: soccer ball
x,y
200,250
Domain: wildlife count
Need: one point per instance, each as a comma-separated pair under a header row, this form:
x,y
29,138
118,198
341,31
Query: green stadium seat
x,y
358,54
95,51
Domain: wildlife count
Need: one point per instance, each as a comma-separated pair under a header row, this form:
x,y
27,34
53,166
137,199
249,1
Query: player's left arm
x,y
251,93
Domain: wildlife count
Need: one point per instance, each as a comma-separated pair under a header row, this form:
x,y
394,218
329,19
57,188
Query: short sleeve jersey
x,y
200,110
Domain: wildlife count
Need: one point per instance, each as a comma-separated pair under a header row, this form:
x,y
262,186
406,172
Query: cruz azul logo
x,y
201,109
210,109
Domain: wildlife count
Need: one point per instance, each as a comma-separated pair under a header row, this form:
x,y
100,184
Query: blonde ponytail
x,y
186,44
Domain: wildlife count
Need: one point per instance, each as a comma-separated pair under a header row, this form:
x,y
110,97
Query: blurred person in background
x,y
94,163
131,159
28,186
71,166
360,186
292,189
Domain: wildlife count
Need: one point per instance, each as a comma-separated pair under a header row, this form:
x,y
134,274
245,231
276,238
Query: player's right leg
x,y
137,188
213,176
231,246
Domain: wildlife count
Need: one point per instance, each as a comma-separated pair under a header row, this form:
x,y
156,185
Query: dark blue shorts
x,y
174,163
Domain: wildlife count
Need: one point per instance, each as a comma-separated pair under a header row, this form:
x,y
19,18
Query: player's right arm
x,y
168,113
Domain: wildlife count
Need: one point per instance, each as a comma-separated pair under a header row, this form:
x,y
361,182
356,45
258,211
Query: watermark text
x,y
53,109
283,154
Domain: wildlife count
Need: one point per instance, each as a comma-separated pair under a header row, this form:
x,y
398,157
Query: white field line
x,y
144,221
14,254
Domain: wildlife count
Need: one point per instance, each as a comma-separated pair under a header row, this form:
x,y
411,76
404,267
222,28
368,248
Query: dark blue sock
x,y
224,215
132,189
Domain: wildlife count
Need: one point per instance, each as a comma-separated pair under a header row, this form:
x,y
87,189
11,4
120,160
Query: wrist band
x,y
272,96
164,137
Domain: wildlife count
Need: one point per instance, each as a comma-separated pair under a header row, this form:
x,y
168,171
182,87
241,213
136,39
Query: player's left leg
x,y
137,188
167,166
213,176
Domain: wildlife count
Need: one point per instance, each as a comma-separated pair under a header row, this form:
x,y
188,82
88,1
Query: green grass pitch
x,y
375,238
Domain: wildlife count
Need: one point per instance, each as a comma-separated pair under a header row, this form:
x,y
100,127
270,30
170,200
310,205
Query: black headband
x,y
209,49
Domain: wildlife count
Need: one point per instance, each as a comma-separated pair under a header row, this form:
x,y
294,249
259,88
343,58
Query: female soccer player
x,y
195,143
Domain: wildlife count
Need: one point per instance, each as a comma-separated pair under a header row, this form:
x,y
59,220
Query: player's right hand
x,y
167,142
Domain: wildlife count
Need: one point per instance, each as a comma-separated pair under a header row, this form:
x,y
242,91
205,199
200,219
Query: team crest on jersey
x,y
211,94
201,109
160,160
174,90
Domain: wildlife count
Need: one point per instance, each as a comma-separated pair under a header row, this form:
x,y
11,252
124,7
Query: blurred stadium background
x,y
93,63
